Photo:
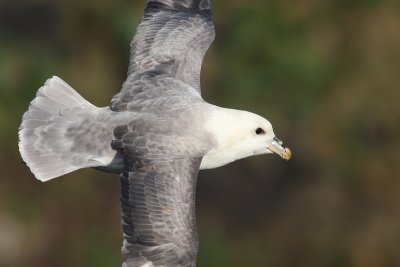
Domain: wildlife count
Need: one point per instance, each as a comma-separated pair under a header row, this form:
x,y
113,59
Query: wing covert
x,y
158,202
173,38
171,41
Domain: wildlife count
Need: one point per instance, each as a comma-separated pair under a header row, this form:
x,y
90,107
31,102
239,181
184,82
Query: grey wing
x,y
171,40
157,202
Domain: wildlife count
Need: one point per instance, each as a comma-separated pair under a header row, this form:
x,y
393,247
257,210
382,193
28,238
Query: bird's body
x,y
157,134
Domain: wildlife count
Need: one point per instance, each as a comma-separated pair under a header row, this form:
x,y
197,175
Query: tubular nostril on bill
x,y
277,140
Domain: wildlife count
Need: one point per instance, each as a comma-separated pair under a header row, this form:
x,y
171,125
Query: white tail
x,y
43,135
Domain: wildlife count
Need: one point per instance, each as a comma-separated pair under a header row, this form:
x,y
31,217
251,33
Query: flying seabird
x,y
157,133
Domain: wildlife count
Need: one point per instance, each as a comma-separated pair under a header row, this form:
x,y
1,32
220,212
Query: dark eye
x,y
260,131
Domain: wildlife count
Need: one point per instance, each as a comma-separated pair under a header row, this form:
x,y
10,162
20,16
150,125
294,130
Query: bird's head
x,y
240,134
254,135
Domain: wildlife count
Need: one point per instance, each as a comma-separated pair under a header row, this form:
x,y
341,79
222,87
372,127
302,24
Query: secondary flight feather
x,y
157,133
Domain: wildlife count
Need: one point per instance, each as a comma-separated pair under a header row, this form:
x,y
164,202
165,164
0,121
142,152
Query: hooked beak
x,y
276,147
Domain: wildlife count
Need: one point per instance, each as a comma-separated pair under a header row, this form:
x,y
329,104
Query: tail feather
x,y
58,92
42,135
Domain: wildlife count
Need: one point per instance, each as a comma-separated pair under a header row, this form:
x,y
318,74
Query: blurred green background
x,y
325,73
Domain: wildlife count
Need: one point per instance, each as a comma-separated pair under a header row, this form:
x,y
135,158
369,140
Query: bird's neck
x,y
225,126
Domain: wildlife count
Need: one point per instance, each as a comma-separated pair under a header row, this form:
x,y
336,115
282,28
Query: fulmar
x,y
156,134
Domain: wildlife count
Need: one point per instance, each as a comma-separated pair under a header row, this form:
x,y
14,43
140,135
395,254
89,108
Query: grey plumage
x,y
171,42
143,135
160,171
159,176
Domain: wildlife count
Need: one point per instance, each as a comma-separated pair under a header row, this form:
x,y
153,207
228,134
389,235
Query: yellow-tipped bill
x,y
277,148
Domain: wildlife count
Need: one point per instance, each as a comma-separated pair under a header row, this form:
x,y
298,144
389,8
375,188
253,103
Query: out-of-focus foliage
x,y
325,73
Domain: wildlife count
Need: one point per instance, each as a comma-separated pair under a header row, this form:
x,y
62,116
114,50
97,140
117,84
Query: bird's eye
x,y
260,131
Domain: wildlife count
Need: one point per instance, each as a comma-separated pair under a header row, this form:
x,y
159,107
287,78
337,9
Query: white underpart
x,y
234,133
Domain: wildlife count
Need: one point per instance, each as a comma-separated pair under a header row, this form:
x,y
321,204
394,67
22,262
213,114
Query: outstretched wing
x,y
158,201
171,41
172,38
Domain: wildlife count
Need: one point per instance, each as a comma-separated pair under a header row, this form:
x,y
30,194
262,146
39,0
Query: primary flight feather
x,y
157,133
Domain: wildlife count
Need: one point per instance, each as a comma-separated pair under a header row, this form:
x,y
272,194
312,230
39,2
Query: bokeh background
x,y
325,73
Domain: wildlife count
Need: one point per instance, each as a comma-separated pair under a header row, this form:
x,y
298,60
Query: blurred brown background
x,y
325,73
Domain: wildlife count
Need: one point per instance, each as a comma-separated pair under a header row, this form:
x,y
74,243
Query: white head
x,y
240,134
